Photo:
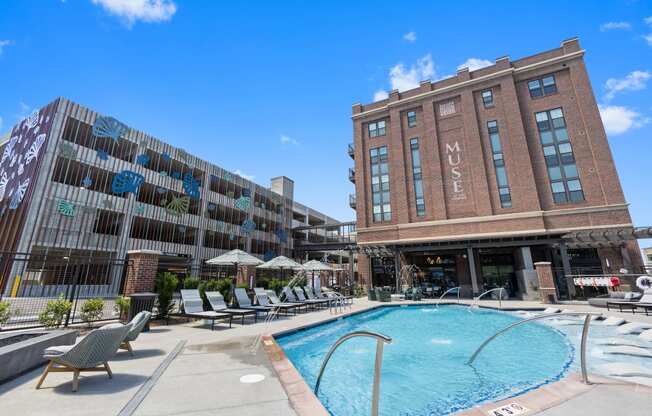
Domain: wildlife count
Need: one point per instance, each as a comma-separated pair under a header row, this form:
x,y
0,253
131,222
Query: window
x,y
382,210
447,108
558,153
543,86
418,181
377,128
412,118
499,165
487,98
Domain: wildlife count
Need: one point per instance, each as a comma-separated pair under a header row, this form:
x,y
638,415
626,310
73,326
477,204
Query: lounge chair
x,y
613,321
137,324
311,295
302,298
645,303
264,300
629,351
271,295
91,353
193,307
217,303
291,298
245,303
633,328
646,336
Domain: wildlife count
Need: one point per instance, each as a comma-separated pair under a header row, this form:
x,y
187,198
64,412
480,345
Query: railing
x,y
500,296
352,175
351,150
380,343
337,302
447,292
352,201
585,333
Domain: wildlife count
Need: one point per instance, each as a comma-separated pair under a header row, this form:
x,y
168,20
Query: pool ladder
x,y
381,340
338,302
585,333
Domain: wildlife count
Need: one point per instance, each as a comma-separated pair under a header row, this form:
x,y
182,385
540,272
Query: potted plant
x,y
121,307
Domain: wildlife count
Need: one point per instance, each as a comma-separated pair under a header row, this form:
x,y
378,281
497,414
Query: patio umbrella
x,y
235,258
280,263
316,266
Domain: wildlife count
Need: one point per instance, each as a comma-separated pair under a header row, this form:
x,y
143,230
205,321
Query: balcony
x,y
351,151
352,175
352,200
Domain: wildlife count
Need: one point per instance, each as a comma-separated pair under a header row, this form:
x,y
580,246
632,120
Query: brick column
x,y
141,271
546,281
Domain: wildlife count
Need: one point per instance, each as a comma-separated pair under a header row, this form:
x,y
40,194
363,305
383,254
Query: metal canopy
x,y
608,237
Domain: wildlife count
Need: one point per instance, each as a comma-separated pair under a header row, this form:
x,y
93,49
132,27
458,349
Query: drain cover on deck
x,y
252,378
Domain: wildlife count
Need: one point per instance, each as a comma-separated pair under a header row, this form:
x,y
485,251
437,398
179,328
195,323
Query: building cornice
x,y
493,75
500,217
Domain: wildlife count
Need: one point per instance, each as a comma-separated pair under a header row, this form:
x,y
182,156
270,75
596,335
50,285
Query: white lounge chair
x,y
245,303
646,335
91,353
193,307
216,301
629,350
622,342
613,321
264,300
633,328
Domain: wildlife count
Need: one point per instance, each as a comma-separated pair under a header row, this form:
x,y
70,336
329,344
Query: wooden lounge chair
x,y
91,353
217,303
137,324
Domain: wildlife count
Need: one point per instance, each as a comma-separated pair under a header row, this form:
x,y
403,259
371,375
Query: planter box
x,y
26,354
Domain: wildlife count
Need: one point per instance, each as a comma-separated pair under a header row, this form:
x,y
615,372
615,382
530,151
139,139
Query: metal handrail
x,y
380,342
585,333
448,291
500,296
337,301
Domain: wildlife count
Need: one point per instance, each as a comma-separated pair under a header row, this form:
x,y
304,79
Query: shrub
x,y
92,310
121,306
221,285
277,285
55,312
191,283
166,283
300,282
262,282
5,313
242,285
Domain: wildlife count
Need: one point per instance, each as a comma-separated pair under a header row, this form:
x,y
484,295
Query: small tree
x,y
92,310
277,285
55,312
166,284
121,307
5,313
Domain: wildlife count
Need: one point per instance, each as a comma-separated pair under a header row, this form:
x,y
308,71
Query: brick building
x,y
476,177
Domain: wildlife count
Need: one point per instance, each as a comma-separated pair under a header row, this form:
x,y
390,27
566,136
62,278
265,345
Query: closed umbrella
x,y
235,258
316,266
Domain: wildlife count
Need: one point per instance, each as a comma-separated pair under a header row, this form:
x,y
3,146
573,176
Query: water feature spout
x,y
447,292
500,297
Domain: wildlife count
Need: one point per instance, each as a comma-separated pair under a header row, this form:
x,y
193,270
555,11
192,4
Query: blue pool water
x,y
424,369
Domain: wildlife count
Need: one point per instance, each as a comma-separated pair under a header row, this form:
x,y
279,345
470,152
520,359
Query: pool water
x,y
424,369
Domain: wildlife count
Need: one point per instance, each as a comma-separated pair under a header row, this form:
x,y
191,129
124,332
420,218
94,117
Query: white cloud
x,y
244,175
634,81
403,79
618,119
150,11
475,63
648,20
4,43
380,95
288,140
410,37
1,121
615,26
648,38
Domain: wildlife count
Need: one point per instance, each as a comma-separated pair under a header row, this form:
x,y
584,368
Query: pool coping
x,y
306,403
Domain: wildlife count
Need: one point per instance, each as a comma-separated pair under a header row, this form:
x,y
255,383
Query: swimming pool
x,y
424,369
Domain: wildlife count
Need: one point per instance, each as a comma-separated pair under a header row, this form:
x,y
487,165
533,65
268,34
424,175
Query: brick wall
x,y
546,281
141,271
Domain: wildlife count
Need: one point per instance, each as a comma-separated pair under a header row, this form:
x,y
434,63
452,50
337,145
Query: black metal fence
x,y
34,281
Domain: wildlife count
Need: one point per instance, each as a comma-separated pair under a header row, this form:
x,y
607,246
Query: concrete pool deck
x,y
187,369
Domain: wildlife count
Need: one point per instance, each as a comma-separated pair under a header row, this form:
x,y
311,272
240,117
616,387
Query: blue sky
x,y
266,88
